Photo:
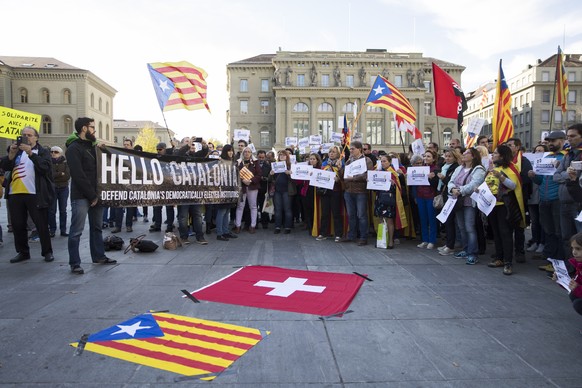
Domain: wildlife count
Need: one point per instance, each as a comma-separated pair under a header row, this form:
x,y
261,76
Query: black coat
x,y
82,160
43,175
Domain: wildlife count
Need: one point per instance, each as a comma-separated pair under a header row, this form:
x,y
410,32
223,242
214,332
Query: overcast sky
x,y
115,39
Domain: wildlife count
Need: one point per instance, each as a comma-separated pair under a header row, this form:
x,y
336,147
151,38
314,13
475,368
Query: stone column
x,y
313,129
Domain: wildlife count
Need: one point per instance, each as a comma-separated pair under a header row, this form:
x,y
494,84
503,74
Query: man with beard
x,y
84,199
550,202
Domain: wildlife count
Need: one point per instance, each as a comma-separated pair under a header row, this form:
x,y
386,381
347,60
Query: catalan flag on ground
x,y
179,85
183,345
502,120
385,95
561,81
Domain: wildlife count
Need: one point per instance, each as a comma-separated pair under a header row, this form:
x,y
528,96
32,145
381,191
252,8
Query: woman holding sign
x,y
424,199
331,201
502,180
250,176
466,178
284,186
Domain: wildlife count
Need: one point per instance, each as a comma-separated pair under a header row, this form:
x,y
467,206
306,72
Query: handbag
x,y
139,244
112,243
438,202
511,204
171,241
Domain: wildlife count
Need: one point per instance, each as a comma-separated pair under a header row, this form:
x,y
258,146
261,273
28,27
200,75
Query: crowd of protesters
x,y
38,182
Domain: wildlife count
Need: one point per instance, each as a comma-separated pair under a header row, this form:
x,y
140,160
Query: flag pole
x,y
168,129
439,133
354,124
402,142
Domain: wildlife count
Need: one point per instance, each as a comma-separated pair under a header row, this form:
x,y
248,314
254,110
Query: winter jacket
x,y
548,188
474,180
61,173
82,159
578,266
561,175
358,183
43,175
255,168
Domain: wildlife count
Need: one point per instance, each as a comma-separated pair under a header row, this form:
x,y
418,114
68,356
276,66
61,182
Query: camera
x,y
21,140
197,140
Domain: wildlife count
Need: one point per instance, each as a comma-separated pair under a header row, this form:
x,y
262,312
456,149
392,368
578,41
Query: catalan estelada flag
x,y
502,120
183,345
179,85
561,82
385,95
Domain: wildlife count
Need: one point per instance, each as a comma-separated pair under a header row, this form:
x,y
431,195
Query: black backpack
x,y
112,243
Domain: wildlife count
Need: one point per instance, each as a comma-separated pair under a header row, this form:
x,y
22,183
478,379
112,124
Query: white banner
x,y
379,180
418,176
290,141
322,178
315,139
303,142
279,167
447,209
485,199
545,166
301,171
242,134
355,168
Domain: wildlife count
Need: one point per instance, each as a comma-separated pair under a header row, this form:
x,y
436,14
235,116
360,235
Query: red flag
x,y
561,82
449,98
308,292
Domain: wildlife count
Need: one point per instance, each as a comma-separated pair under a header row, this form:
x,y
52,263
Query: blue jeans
x,y
282,204
131,211
184,214
61,198
222,220
427,220
468,228
80,209
158,216
357,207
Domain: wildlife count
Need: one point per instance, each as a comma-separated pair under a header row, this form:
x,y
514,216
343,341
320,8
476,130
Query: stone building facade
x,y
129,129
296,94
59,93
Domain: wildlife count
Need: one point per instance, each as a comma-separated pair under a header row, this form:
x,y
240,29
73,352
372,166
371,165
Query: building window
x,y
348,108
92,100
244,85
521,119
47,125
107,107
545,76
265,107
325,80
572,97
23,96
244,107
301,107
527,98
325,107
527,117
571,76
67,96
107,132
545,116
301,128
68,125
545,96
300,79
427,86
427,137
557,116
264,85
100,104
373,79
265,138
374,131
571,116
325,129
100,131
428,108
46,96
350,80
373,109
447,136
398,81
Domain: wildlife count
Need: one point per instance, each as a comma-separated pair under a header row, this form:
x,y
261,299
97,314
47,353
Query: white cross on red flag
x,y
275,288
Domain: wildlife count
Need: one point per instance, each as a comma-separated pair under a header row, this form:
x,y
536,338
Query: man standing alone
x,y
84,198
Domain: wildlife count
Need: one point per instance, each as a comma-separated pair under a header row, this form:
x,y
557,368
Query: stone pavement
x,y
424,321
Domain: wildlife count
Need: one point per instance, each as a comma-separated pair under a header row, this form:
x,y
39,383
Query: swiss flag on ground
x,y
299,291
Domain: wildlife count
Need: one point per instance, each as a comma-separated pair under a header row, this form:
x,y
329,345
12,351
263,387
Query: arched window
x,y
45,96
348,108
92,100
67,96
47,125
24,96
301,107
325,107
265,137
100,104
107,132
107,108
100,133
447,136
68,124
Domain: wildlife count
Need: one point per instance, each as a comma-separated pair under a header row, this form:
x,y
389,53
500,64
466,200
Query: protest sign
x,y
336,137
315,139
301,171
355,168
562,276
12,122
242,134
279,167
545,166
447,209
418,175
379,180
290,141
485,199
322,178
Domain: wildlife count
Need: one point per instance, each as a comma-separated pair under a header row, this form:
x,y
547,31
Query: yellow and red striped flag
x,y
484,98
502,120
175,343
387,96
179,85
561,82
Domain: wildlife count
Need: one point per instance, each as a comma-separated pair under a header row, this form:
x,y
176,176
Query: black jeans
x,y
451,231
502,234
331,206
21,205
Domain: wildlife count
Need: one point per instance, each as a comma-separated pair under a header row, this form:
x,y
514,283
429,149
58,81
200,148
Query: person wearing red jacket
x,y
576,282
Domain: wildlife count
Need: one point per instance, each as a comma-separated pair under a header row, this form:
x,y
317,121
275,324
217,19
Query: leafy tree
x,y
147,138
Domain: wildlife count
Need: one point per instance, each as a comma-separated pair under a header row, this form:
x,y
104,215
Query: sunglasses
x,y
55,152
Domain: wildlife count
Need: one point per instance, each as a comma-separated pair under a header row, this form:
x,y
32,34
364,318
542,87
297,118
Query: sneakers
x,y
154,228
460,255
441,248
533,247
338,239
222,238
471,260
230,235
446,251
201,241
129,229
77,270
320,238
396,241
145,219
507,269
277,230
185,241
237,229
430,246
547,268
540,248
422,245
495,264
287,231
